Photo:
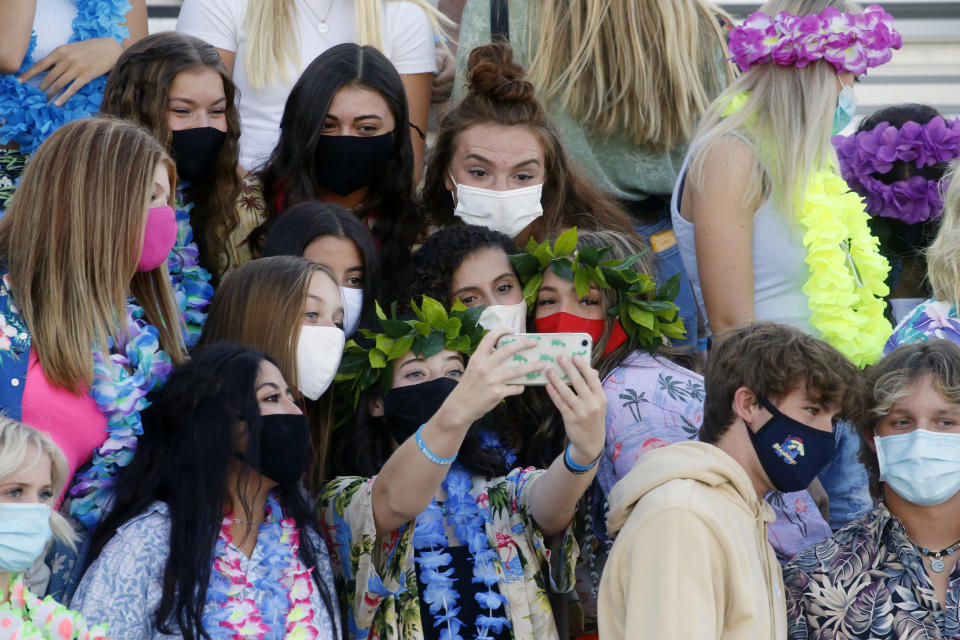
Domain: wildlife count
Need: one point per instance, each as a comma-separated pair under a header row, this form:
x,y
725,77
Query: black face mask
x,y
790,452
195,151
348,163
284,447
406,408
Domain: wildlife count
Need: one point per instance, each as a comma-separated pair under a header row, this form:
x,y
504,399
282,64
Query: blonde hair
x,y
644,69
71,239
15,439
273,43
786,116
943,256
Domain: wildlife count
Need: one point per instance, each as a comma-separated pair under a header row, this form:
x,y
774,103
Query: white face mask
x,y
922,466
508,212
513,316
318,356
352,308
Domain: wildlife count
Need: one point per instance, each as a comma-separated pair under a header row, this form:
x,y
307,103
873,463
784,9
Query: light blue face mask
x,y
846,108
24,532
922,466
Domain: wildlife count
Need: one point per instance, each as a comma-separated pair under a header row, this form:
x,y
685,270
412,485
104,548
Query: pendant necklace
x,y
323,27
936,563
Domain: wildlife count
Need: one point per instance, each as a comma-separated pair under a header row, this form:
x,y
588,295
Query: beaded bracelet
x,y
430,455
573,467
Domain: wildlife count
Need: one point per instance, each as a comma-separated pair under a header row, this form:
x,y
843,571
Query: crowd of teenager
x,y
265,369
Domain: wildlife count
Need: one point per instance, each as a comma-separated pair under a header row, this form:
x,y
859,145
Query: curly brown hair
x,y
499,94
138,89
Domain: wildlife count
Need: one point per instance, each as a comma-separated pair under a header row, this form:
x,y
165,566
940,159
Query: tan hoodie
x,y
691,558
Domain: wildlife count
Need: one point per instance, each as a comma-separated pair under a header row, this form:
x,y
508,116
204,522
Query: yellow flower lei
x,y
846,285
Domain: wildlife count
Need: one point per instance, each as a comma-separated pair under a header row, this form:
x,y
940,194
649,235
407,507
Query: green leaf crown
x,y
430,331
647,314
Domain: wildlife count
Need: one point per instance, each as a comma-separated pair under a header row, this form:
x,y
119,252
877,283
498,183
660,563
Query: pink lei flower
x,y
850,42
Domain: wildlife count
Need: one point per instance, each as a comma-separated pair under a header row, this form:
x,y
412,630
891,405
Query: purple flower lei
x,y
850,42
865,154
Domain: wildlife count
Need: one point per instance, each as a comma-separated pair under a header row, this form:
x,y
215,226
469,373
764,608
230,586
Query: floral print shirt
x,y
931,319
868,581
376,579
124,585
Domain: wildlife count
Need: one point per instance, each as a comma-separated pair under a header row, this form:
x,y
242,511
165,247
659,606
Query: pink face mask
x,y
158,238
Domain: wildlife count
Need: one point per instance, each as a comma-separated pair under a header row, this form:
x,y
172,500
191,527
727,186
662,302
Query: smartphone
x,y
549,347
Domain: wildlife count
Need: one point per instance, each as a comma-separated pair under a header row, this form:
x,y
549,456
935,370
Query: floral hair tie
x,y
866,154
850,42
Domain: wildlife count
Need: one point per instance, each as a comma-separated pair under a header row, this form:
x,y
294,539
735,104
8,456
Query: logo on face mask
x,y
790,449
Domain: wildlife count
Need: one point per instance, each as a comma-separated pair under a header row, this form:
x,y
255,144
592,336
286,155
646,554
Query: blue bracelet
x,y
430,455
573,467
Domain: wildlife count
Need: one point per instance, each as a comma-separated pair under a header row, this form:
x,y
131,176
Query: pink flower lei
x,y
865,154
850,42
242,617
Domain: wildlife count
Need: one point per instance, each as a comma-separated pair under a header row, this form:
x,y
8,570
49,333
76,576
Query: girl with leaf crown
x,y
447,539
767,228
600,282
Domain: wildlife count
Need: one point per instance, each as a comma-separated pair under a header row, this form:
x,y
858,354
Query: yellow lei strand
x,y
846,309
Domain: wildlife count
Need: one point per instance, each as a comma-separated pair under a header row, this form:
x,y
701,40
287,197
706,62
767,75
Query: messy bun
x,y
498,93
491,72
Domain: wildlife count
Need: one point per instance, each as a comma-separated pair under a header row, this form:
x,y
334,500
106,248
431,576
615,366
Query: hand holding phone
x,y
549,347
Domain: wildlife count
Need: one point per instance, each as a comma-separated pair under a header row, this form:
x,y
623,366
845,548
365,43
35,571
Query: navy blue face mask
x,y
790,452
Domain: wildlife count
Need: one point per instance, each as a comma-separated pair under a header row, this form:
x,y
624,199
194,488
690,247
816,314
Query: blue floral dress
x,y
931,319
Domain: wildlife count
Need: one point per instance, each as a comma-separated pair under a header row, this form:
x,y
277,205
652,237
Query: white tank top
x,y
779,269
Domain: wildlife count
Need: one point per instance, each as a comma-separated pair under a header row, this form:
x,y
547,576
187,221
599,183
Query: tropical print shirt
x,y
376,578
652,402
931,319
868,581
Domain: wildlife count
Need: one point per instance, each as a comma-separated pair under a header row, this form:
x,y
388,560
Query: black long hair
x,y
301,224
289,173
183,458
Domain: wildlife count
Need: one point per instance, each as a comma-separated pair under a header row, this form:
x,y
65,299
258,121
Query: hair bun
x,y
492,72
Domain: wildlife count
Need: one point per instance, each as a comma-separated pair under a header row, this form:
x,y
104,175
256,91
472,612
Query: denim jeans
x,y
669,263
845,479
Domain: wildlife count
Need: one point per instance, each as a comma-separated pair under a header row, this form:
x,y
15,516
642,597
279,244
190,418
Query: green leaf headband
x,y
646,313
431,331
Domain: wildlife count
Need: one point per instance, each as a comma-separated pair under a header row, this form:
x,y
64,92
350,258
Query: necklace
x,y
28,617
287,586
936,563
323,27
190,281
26,115
120,394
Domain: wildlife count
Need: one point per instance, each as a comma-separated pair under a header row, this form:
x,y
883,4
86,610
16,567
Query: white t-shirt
x,y
408,40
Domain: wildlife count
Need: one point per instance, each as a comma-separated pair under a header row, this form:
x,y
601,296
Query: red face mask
x,y
561,322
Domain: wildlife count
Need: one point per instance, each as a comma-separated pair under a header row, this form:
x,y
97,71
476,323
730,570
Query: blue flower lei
x,y
468,524
191,282
120,395
278,554
27,117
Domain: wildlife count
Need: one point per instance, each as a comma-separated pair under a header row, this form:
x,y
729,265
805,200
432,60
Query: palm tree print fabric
x,y
652,402
868,581
376,579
